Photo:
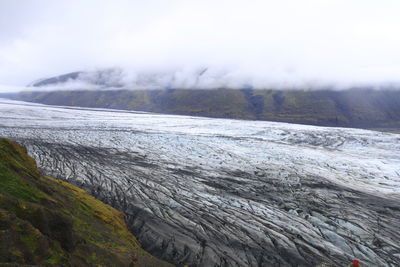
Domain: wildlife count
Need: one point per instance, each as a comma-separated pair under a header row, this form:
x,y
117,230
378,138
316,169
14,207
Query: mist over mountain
x,y
118,78
259,44
195,78
363,107
101,78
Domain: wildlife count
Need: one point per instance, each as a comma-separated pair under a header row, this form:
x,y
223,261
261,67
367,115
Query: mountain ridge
x,y
360,108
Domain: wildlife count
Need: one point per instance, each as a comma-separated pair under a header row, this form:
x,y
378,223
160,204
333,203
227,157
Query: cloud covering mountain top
x,y
241,43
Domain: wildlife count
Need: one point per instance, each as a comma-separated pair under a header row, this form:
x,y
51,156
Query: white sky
x,y
258,43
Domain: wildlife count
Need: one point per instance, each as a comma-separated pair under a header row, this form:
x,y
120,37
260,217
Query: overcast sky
x,y
258,43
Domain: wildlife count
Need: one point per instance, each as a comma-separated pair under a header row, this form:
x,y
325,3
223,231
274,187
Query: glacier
x,y
223,192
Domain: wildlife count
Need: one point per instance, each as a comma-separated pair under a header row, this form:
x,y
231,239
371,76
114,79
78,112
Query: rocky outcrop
x,y
48,222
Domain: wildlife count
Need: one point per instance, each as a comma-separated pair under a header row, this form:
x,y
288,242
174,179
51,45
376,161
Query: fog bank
x,y
257,44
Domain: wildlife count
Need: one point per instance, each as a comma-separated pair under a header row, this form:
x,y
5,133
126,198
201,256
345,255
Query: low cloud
x,y
201,44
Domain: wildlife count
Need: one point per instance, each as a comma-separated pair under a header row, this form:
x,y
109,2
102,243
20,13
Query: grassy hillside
x,y
364,108
44,221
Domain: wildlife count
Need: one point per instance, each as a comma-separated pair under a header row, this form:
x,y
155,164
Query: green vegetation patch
x,y
45,221
14,165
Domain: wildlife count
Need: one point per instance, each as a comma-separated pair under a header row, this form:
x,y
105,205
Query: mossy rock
x,y
48,222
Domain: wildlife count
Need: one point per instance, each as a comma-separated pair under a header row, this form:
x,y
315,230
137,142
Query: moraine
x,y
219,192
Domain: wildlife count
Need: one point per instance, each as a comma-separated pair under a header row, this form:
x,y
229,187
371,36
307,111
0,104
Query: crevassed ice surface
x,y
219,192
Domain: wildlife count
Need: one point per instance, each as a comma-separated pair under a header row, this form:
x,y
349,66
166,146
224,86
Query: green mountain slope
x,y
48,222
364,108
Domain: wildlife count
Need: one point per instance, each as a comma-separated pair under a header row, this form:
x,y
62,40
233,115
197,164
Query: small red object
x,y
356,263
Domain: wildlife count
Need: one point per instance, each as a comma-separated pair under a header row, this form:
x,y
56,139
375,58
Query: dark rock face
x,y
58,79
210,192
106,77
